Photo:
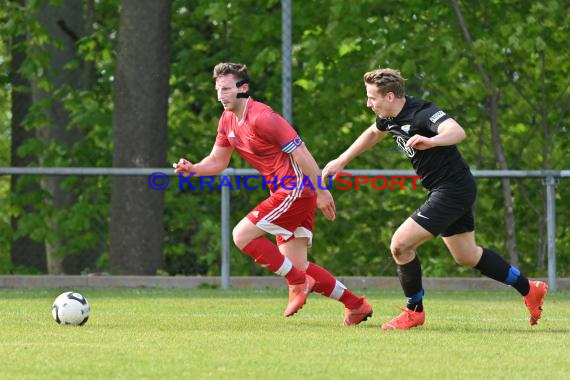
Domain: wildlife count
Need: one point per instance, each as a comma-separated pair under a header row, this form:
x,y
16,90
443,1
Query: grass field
x,y
241,334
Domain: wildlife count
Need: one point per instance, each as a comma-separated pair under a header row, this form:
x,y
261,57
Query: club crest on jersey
x,y
232,134
406,129
255,214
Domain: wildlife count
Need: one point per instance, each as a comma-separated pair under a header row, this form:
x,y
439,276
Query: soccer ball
x,y
70,308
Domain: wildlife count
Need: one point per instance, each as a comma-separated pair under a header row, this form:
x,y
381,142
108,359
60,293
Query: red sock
x,y
329,286
350,300
266,254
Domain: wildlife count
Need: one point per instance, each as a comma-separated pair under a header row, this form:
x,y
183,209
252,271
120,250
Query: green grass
x,y
241,334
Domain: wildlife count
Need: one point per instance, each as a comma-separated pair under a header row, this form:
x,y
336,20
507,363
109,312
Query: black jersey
x,y
436,165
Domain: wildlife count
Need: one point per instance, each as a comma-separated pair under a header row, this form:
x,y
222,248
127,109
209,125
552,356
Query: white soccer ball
x,y
70,308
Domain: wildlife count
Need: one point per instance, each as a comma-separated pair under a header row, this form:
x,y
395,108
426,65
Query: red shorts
x,y
285,216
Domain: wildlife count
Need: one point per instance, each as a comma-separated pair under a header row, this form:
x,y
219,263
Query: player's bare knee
x,y
241,240
401,252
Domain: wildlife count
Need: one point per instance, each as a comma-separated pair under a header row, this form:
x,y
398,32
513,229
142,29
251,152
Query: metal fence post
x,y
550,182
225,266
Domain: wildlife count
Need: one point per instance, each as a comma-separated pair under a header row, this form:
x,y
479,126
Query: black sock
x,y
410,276
494,266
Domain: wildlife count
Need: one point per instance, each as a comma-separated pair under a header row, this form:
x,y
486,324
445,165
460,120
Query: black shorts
x,y
449,208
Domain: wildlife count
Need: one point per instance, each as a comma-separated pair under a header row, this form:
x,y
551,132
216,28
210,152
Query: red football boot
x,y
406,320
533,300
360,314
298,295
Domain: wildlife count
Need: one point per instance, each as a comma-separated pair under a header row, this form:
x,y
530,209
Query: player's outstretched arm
x,y
213,164
370,137
449,132
308,165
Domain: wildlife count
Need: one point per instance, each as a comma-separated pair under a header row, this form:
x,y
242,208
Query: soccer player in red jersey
x,y
269,143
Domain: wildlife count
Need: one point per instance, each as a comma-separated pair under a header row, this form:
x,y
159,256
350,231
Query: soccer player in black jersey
x,y
428,137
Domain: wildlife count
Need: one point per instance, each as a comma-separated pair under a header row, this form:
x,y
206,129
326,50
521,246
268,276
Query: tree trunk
x,y
77,262
65,25
24,251
140,135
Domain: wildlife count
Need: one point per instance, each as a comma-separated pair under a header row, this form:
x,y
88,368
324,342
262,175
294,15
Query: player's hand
x,y
420,142
332,169
325,203
183,166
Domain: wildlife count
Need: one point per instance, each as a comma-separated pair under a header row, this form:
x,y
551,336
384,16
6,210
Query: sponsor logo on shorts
x,y
422,216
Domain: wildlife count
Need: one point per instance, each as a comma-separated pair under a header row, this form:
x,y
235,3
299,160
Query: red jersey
x,y
265,140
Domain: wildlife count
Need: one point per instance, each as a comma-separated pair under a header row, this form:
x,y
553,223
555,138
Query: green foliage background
x,y
521,44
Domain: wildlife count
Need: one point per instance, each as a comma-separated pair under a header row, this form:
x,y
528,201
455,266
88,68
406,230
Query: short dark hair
x,y
238,70
387,80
